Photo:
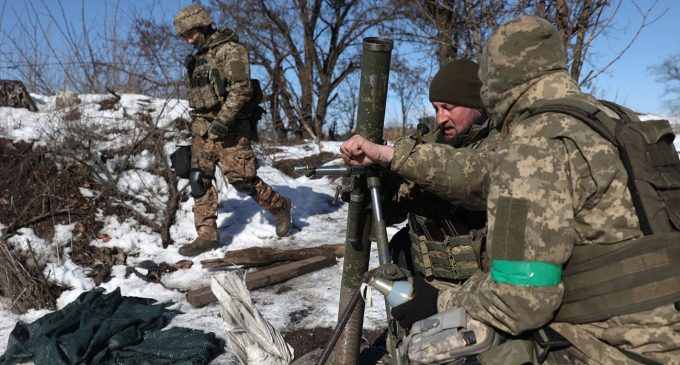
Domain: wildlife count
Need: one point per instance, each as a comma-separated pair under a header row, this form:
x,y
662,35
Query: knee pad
x,y
181,161
199,183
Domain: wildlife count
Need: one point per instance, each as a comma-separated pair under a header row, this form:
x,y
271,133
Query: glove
x,y
190,63
423,304
219,129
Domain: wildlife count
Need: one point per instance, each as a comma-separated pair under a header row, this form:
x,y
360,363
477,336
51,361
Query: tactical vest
x,y
602,281
207,87
454,257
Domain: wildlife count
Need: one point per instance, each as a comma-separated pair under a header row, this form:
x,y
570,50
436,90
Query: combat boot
x,y
197,247
282,217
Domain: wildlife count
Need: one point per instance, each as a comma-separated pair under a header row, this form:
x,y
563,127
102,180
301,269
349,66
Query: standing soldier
x,y
224,102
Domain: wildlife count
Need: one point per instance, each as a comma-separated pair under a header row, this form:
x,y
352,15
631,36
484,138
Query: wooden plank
x,y
266,277
263,256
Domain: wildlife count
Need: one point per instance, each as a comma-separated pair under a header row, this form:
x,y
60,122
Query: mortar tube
x,y
375,65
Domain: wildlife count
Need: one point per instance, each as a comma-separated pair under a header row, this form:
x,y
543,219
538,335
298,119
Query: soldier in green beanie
x,y
436,228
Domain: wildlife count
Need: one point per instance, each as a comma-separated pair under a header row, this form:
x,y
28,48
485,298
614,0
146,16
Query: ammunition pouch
x,y
603,281
455,258
219,128
198,183
446,337
180,160
207,87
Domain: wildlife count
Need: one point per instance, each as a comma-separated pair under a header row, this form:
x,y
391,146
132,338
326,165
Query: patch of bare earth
x,y
308,340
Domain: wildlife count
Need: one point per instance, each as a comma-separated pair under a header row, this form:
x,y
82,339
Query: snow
x,y
304,302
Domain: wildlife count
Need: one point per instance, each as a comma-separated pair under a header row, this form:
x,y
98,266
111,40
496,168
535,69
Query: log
x,y
265,277
263,256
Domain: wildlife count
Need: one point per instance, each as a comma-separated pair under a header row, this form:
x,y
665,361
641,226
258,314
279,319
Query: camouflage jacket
x,y
219,83
550,183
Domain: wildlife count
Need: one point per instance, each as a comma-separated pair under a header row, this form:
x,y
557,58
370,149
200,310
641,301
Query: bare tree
x,y
449,29
313,44
348,102
50,50
407,85
668,72
458,28
581,22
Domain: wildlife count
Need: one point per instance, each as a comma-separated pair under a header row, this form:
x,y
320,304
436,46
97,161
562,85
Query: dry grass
x,y
25,285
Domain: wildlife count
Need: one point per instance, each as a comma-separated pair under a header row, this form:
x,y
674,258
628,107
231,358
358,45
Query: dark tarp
x,y
100,328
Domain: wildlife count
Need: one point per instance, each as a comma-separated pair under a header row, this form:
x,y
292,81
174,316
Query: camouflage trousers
x,y
652,334
239,167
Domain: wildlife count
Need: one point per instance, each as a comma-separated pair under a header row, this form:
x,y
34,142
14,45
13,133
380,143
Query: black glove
x,y
219,128
190,63
423,304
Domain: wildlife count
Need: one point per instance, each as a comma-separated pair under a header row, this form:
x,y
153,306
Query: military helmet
x,y
191,17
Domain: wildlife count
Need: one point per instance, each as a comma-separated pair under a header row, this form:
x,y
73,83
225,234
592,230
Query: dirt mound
x,y
37,192
287,166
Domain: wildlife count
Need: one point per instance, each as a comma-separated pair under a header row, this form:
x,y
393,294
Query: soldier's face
x,y
454,120
192,37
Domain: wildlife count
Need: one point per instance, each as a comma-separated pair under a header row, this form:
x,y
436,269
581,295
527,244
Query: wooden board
x,y
265,277
263,256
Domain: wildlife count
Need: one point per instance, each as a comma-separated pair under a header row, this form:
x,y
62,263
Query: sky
x,y
628,81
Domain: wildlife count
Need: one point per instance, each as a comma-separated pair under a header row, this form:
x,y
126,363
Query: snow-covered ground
x,y
304,302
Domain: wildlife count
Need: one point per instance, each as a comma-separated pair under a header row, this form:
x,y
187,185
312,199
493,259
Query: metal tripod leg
x,y
380,232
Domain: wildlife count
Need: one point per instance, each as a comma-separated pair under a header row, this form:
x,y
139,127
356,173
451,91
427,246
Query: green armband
x,y
525,273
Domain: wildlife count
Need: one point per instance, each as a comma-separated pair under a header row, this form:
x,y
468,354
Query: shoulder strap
x,y
595,118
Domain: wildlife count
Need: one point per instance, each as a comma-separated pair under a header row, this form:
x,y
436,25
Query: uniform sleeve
x,y
531,235
233,60
454,174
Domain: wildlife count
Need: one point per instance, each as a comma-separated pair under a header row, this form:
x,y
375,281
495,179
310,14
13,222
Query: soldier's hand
x,y
360,151
423,304
218,129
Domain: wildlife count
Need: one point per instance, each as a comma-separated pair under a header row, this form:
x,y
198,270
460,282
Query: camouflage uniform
x,y
224,113
550,184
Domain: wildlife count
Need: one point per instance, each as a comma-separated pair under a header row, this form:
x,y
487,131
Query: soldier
x,y
556,190
224,102
436,228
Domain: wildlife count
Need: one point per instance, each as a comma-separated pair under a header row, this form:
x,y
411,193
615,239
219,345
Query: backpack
x,y
647,152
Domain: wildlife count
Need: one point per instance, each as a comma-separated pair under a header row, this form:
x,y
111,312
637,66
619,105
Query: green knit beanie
x,y
457,83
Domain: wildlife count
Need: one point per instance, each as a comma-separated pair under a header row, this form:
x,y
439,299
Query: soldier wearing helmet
x,y
225,110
